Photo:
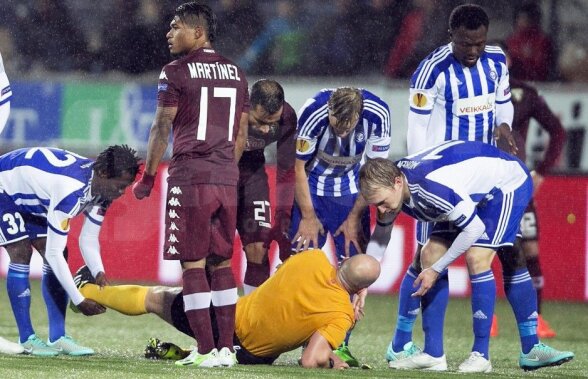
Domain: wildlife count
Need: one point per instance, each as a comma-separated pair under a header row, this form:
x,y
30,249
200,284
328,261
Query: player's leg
x,y
409,307
483,298
254,223
334,211
434,304
56,300
189,209
530,247
14,237
222,280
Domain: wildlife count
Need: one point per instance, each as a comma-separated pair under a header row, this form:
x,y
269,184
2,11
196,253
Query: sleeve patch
x,y
162,87
380,148
302,146
419,100
65,225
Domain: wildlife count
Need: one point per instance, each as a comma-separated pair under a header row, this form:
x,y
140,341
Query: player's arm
x,y
156,147
56,242
377,146
285,184
310,226
419,116
557,134
504,110
241,136
317,353
89,243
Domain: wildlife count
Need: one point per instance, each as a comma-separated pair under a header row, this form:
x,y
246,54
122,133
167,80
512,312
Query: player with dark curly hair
x,y
41,190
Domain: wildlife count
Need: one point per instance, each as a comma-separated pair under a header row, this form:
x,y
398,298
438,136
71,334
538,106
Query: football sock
x,y
126,299
19,293
197,300
255,275
534,268
483,299
56,302
224,300
434,304
408,310
521,296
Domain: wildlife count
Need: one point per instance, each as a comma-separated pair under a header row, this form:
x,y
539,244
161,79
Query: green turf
x,y
119,341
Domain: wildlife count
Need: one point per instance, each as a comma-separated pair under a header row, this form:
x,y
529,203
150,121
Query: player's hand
x,y
90,307
338,363
537,180
359,304
426,279
503,134
279,233
307,234
142,188
350,229
102,280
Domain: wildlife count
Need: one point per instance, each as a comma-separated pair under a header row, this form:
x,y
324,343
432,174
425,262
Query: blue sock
x,y
434,306
56,301
19,293
483,299
408,310
522,297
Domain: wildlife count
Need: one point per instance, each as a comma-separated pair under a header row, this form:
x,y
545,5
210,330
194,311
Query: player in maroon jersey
x,y
271,119
528,104
203,98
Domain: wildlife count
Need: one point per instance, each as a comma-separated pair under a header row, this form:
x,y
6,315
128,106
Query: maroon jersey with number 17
x,y
211,93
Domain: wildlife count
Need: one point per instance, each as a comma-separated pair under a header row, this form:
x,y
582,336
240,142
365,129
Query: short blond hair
x,y
345,103
377,173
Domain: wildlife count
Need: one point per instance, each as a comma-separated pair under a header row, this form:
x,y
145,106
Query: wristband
x,y
148,179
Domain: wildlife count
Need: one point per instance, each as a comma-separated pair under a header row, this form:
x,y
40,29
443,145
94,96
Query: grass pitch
x,y
119,342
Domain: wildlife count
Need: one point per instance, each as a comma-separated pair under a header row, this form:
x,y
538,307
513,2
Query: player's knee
x,y
256,253
479,261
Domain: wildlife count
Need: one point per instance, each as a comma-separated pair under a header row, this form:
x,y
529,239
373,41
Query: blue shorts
x,y
502,216
332,212
16,225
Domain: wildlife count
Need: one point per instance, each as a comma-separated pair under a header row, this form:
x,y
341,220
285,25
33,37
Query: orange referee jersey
x,y
302,297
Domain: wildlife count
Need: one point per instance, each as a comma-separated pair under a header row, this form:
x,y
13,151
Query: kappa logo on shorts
x,y
172,214
174,202
176,190
172,238
173,226
172,250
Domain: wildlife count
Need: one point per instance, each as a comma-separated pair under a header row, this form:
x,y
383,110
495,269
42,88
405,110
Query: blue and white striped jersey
x,y
50,183
461,101
333,162
447,181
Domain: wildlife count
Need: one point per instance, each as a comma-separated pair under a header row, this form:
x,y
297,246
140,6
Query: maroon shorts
x,y
200,221
254,215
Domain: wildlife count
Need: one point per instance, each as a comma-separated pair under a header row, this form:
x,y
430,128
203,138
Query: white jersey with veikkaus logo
x,y
461,101
334,162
